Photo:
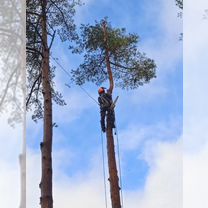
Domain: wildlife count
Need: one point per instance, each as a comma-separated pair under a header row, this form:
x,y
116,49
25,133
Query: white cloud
x,y
162,188
195,183
146,94
132,137
195,75
87,186
195,105
165,48
33,178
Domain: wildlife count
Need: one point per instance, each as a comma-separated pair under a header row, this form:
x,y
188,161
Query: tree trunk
x,y
46,199
113,173
114,180
107,59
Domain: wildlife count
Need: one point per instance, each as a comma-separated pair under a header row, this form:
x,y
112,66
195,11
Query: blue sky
x,y
150,140
147,116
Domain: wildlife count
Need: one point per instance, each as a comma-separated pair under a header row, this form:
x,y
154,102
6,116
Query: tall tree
x,y
45,19
112,54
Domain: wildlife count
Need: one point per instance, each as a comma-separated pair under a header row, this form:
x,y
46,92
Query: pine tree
x,y
45,19
111,54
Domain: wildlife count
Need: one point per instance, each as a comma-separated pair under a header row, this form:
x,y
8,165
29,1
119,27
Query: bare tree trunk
x,y
107,58
113,173
46,199
114,180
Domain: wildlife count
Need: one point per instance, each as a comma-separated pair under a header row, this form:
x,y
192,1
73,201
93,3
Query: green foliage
x,y
60,22
130,67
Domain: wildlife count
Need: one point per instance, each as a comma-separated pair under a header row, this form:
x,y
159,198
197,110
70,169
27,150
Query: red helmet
x,y
101,90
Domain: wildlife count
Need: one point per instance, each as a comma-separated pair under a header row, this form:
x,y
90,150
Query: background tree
x,y
12,75
12,30
111,54
45,19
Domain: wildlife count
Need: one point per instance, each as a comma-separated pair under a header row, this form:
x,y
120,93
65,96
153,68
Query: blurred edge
x,y
195,102
12,102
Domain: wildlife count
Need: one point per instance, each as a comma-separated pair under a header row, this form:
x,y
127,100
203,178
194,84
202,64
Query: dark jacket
x,y
105,100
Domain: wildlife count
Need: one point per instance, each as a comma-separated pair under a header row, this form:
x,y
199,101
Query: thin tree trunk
x,y
114,180
46,199
113,173
107,58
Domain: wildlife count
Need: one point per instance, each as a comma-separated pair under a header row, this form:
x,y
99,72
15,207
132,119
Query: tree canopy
x,y
59,22
130,67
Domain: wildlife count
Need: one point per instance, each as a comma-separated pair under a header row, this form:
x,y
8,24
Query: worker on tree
x,y
105,101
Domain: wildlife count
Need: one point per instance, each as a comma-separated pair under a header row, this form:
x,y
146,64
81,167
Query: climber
x,y
105,101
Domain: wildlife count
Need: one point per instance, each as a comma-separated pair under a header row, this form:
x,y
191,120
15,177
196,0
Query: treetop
x,y
130,67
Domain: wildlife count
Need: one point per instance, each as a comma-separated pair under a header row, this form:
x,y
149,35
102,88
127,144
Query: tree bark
x,y
113,173
107,58
46,199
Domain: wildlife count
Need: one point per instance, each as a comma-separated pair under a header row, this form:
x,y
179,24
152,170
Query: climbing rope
x,y
119,162
104,175
116,131
67,73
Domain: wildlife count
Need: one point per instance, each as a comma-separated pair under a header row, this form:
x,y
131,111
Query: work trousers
x,y
111,114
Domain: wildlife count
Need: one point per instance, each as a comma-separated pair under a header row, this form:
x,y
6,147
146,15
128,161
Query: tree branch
x,y
32,88
32,13
33,50
61,12
35,27
52,39
121,66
